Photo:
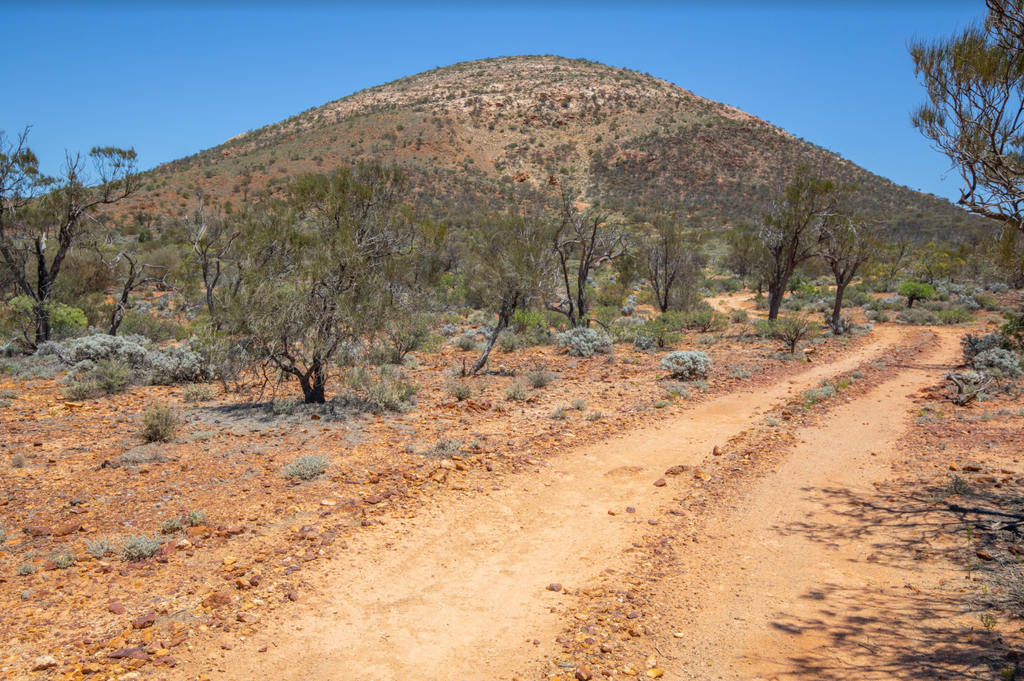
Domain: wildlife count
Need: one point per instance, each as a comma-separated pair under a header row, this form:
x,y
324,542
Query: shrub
x,y
111,376
383,354
841,326
582,342
509,342
197,392
815,395
540,379
283,406
594,416
644,341
445,448
171,525
705,321
986,301
465,343
137,547
516,392
100,547
918,317
26,570
560,412
460,390
8,394
178,364
305,467
386,390
998,363
687,364
738,316
159,423
790,329
955,315
128,349
914,290
579,404
154,328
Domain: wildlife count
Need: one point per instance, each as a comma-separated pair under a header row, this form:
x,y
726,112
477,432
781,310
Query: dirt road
x,y
460,592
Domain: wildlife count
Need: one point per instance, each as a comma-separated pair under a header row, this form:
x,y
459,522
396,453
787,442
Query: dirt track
x,y
459,592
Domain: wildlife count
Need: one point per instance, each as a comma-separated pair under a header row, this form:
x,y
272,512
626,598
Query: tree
x,y
845,245
507,266
319,269
42,218
893,254
671,260
132,271
790,225
974,113
745,251
582,241
212,240
914,290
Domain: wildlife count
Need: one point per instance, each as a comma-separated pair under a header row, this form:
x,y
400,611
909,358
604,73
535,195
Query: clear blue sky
x,y
173,80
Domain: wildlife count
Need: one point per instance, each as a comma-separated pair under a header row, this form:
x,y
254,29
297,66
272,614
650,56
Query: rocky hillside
x,y
486,134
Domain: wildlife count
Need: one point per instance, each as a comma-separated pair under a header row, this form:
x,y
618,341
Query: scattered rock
x,y
655,673
630,509
217,599
611,512
677,470
701,475
374,499
293,595
716,451
66,529
583,674
43,663
262,649
554,586
145,621
660,482
984,555
116,608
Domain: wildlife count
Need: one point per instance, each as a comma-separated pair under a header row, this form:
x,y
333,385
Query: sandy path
x,y
458,592
800,589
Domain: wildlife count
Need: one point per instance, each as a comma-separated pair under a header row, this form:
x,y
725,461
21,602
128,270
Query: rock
x,y
226,646
37,531
660,482
374,499
43,663
116,608
145,621
605,648
630,509
49,565
677,470
554,586
293,595
328,502
217,599
953,466
262,649
128,654
66,529
242,583
655,673
679,634
583,674
701,475
633,614
652,522
247,618
255,580
234,529
611,512
716,451
984,555
230,560
872,558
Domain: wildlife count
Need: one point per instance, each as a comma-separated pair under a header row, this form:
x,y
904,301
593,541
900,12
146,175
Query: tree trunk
x,y
313,383
42,322
502,323
775,301
837,308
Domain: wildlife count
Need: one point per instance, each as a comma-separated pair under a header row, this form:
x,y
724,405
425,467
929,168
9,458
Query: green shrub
x,y
913,290
156,329
738,316
582,342
100,547
917,316
445,448
283,406
111,376
26,570
540,379
465,343
687,364
305,467
159,423
460,390
197,392
594,416
955,315
579,404
560,413
516,392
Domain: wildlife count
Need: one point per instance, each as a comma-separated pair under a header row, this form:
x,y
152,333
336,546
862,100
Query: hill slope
x,y
480,135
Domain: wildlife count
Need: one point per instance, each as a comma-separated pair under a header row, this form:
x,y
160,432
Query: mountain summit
x,y
483,134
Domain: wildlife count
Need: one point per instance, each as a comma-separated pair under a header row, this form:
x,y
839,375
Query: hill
x,y
484,134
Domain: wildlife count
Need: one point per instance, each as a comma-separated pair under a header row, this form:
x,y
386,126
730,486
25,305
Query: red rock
x,y
234,529
43,663
660,482
116,608
128,653
583,674
242,583
293,595
66,529
226,646
677,470
716,451
254,580
145,621
984,555
217,599
49,565
37,531
373,499
262,649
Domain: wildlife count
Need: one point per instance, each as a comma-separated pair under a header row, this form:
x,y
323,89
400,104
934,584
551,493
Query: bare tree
x,y
975,109
43,218
845,245
582,241
133,273
213,246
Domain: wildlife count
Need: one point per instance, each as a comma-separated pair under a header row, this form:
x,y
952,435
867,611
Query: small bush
x,y
26,570
540,379
465,344
177,364
460,390
973,346
100,547
516,392
738,316
918,317
446,448
581,342
687,365
579,404
998,363
171,525
644,341
159,423
955,315
63,559
815,395
197,392
305,467
677,390
8,394
195,518
560,413
137,547
594,416
111,376
914,290
283,406
128,349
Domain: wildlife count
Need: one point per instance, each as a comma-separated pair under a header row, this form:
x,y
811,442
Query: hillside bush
x,y
918,317
955,315
159,423
582,342
998,363
305,467
177,364
687,365
132,350
973,346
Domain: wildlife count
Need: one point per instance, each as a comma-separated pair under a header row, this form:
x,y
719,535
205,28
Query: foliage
x,y
305,467
790,329
918,316
998,363
687,365
672,260
915,290
159,423
973,346
516,392
177,364
197,392
540,379
138,547
583,342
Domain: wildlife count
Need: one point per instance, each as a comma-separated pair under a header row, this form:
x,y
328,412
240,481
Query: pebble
x,y
43,663
293,595
630,509
660,482
583,674
116,608
554,586
145,621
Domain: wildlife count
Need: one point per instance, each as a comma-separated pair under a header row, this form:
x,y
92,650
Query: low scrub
x,y
687,365
581,342
305,467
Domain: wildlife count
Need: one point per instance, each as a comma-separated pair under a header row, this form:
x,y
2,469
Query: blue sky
x,y
175,79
